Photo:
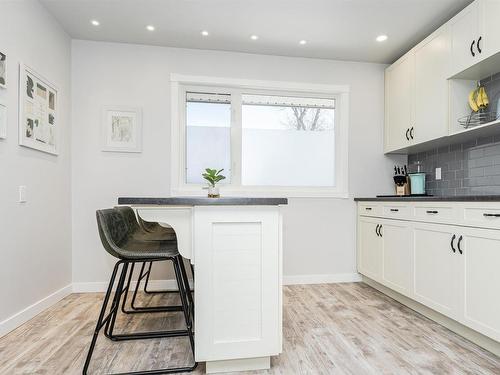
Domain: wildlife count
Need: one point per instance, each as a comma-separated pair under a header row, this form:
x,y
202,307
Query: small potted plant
x,y
213,176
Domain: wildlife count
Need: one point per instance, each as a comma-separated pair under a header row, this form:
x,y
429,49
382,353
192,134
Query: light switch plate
x,y
22,194
438,173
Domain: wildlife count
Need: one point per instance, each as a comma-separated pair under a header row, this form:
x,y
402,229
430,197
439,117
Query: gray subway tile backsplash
x,y
468,168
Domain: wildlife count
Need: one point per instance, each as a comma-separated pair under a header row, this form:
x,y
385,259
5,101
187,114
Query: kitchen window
x,y
271,139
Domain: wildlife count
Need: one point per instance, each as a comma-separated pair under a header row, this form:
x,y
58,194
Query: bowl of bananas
x,y
479,103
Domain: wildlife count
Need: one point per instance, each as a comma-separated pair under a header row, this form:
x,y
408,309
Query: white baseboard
x,y
96,287
29,312
101,286
322,279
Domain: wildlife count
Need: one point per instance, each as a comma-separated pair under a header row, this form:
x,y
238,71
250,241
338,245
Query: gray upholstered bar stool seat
x,y
120,239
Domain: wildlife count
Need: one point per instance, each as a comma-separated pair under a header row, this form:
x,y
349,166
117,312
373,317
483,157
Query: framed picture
x,y
122,129
3,70
38,117
3,120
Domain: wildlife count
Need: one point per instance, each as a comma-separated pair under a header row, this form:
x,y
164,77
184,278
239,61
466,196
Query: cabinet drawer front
x,y
485,217
435,214
369,209
396,211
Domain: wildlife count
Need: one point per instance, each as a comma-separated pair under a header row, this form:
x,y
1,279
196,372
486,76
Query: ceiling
x,y
333,29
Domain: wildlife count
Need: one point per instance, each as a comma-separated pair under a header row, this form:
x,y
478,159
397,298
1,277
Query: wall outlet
x,y
22,194
438,173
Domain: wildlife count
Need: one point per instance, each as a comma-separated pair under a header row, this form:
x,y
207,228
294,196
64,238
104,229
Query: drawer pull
x,y
368,208
432,212
491,215
394,210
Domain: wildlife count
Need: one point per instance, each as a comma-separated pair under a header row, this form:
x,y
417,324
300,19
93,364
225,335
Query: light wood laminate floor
x,y
328,329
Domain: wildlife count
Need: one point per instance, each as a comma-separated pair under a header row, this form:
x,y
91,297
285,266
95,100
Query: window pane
x,y
208,135
288,141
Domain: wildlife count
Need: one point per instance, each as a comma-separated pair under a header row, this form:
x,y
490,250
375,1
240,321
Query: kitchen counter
x,y
460,198
202,201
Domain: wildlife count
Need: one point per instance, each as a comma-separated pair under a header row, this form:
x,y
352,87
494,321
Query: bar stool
x,y
119,240
158,232
141,235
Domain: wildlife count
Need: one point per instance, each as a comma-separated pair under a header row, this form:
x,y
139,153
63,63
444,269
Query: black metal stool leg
x,y
110,324
101,320
141,309
187,288
183,293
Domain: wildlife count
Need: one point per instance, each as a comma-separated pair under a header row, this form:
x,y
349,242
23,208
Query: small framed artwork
x,y
3,120
121,129
38,117
3,70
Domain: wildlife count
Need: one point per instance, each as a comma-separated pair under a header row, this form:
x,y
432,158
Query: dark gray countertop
x,y
203,201
461,198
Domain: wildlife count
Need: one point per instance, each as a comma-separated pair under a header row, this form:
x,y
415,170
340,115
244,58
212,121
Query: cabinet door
x,y
432,65
490,28
480,264
436,268
238,282
399,103
369,249
464,36
397,256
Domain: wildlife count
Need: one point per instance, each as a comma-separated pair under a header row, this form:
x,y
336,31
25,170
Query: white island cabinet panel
x,y
237,284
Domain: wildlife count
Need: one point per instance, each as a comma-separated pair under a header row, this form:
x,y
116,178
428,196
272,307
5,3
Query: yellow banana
x,y
472,100
484,98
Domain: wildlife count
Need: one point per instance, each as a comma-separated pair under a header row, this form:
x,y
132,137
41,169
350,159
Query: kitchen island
x,y
235,245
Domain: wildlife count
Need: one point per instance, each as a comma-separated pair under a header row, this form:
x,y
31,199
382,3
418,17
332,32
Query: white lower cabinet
x,y
436,268
397,271
369,248
480,271
452,269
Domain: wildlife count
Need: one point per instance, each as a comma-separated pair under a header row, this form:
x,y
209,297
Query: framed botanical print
x,y
38,116
3,70
121,129
3,120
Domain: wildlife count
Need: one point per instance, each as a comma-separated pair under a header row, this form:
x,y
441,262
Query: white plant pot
x,y
213,191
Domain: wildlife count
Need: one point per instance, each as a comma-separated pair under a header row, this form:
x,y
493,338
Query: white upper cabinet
x,y
490,25
475,34
465,34
425,89
399,103
432,64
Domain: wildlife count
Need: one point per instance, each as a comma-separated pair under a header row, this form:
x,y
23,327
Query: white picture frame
x,y
3,120
38,116
121,129
3,70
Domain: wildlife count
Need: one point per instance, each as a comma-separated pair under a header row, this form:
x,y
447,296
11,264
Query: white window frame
x,y
182,83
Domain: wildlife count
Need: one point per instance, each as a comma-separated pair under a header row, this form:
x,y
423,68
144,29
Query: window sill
x,y
263,192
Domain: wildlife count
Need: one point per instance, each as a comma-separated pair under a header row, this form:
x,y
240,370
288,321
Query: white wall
x,y
319,234
35,237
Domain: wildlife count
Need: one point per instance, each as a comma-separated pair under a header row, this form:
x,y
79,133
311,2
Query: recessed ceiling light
x,y
95,22
254,37
381,38
204,33
302,42
150,27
